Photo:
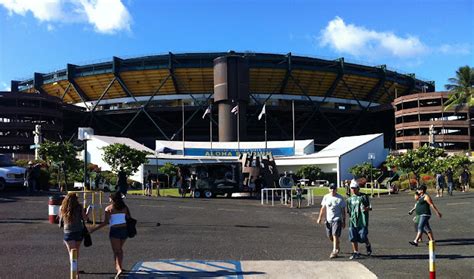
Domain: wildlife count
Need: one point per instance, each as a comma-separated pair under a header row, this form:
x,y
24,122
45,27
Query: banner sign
x,y
283,151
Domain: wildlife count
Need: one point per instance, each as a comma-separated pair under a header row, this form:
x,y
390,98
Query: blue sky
x,y
431,38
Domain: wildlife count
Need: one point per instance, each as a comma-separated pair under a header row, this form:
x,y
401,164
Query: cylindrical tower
x,y
231,88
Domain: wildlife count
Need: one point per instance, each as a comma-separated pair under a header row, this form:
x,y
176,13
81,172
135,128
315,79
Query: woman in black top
x,y
423,209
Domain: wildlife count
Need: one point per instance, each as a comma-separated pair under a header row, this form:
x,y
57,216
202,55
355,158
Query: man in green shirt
x,y
358,207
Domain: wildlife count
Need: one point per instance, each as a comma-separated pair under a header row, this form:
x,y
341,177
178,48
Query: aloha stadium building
x,y
150,98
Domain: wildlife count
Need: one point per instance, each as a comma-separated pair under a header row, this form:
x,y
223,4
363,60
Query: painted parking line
x,y
187,268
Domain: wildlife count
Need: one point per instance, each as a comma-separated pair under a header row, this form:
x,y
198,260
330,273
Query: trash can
x,y
54,203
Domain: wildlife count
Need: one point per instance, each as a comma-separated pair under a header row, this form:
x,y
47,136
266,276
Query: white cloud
x,y
462,49
43,10
5,87
359,41
107,16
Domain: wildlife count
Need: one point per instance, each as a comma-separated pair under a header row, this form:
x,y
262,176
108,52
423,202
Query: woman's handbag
x,y
131,227
86,235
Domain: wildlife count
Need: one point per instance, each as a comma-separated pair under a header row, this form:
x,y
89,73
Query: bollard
x,y
432,260
54,203
73,260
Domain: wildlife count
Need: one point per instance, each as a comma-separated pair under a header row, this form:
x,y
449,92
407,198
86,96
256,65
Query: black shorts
x,y
118,232
73,236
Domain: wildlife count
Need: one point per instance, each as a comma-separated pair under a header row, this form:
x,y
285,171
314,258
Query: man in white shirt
x,y
333,210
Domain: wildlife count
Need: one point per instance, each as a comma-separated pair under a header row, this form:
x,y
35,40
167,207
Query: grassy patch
x,y
342,191
171,192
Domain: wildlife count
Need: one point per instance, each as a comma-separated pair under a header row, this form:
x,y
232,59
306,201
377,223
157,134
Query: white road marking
x,y
251,269
231,210
387,208
457,203
190,207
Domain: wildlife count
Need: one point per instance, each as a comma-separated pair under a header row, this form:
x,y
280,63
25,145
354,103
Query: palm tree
x,y
462,88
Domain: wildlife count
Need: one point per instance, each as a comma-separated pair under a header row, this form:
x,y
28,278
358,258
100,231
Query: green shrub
x,y
404,184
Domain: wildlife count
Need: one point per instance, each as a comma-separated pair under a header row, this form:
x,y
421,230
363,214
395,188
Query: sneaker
x,y
354,256
413,243
369,250
333,255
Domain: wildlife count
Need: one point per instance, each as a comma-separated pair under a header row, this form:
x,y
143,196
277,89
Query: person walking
x,y
299,195
450,181
465,178
30,181
122,185
72,218
116,215
148,183
358,207
333,208
439,185
423,209
416,219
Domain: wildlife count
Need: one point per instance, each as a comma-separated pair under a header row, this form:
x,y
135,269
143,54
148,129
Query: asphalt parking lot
x,y
239,232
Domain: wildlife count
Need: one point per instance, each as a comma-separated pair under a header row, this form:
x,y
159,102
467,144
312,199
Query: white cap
x,y
354,184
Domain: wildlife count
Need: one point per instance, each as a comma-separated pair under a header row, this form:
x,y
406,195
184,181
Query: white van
x,y
10,175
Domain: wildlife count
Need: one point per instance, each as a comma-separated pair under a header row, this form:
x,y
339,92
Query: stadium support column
x,y
231,88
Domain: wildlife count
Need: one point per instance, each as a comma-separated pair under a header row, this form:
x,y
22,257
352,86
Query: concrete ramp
x,y
249,269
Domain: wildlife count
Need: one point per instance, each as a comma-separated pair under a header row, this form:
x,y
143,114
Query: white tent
x,y
95,146
340,155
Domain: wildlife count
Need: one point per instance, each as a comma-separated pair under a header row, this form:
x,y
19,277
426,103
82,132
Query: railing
x,y
284,197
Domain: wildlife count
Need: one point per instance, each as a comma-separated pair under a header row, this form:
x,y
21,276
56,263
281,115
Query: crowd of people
x,y
447,179
357,206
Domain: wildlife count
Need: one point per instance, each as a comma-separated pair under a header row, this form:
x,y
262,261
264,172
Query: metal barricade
x,y
92,202
286,195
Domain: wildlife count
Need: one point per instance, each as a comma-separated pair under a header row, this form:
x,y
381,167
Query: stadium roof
x,y
192,73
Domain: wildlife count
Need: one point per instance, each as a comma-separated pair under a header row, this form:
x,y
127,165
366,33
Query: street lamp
x,y
371,157
84,134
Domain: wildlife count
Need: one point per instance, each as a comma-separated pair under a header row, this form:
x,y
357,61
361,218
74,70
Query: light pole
x,y
84,133
371,157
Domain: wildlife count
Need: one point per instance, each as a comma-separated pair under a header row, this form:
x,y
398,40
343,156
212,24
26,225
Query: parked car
x,y
10,175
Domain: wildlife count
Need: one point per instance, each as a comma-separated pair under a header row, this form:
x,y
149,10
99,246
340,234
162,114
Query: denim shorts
x,y
118,232
73,236
358,234
423,224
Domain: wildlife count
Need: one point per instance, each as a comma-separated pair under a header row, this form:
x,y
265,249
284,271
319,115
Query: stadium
x,y
148,98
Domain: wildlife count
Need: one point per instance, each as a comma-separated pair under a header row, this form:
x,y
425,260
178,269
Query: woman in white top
x,y
116,215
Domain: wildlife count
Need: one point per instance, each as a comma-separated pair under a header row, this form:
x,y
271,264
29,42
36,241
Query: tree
x,y
461,87
61,155
311,172
121,157
417,161
169,170
364,170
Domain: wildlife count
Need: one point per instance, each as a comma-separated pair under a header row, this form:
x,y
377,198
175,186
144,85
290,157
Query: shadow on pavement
x,y
455,242
420,257
189,274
